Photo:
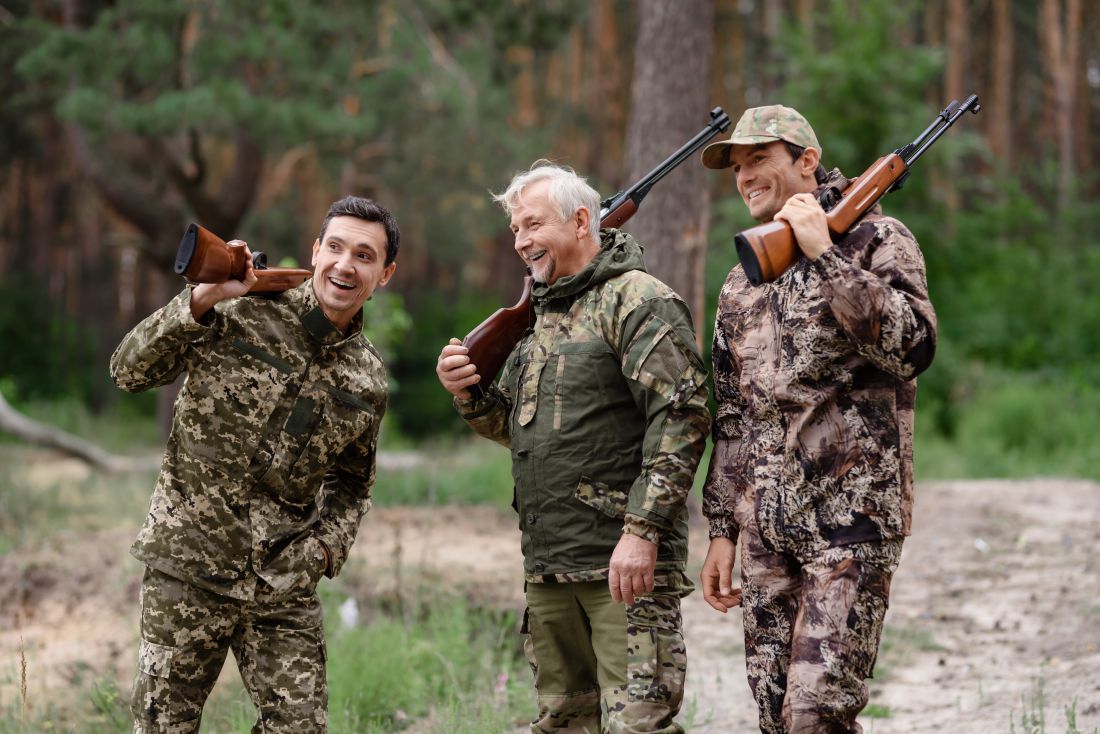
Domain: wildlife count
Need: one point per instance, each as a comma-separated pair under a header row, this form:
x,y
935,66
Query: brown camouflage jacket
x,y
814,381
603,405
273,442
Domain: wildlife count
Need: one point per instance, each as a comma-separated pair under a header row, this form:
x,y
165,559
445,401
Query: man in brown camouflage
x,y
813,439
266,476
603,404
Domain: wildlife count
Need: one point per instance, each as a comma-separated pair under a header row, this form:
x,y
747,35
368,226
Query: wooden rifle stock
x,y
491,341
769,250
203,257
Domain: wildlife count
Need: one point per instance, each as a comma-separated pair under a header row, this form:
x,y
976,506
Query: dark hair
x,y
371,211
796,151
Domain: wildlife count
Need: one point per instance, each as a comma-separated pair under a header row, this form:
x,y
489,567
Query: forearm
x,y
886,314
346,499
153,353
720,489
671,453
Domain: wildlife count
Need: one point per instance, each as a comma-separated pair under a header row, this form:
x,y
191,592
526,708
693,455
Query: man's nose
x,y
345,261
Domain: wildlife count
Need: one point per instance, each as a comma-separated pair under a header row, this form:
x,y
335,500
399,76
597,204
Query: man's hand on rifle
x,y
206,295
455,370
807,219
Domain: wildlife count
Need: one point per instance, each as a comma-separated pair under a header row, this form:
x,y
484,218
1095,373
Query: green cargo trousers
x,y
601,667
186,632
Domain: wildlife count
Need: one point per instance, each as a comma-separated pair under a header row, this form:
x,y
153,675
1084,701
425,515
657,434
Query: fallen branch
x,y
42,434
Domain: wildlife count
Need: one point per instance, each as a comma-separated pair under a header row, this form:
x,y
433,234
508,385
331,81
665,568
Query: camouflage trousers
x,y
813,621
601,667
186,632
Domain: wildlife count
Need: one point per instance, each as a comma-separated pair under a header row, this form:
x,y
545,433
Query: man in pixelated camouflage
x,y
813,438
266,476
603,404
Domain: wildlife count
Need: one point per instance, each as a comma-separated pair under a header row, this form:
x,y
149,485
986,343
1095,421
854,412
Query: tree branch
x,y
31,431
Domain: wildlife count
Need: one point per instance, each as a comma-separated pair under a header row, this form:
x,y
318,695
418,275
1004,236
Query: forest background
x,y
123,121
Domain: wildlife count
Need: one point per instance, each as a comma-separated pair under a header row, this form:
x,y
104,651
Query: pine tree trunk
x,y
670,102
1000,99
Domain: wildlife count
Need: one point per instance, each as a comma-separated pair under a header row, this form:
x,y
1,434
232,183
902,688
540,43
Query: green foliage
x,y
475,471
1010,424
859,87
41,346
425,407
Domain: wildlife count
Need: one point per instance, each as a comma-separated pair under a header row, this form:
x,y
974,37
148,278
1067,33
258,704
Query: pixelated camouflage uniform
x,y
269,464
603,405
813,462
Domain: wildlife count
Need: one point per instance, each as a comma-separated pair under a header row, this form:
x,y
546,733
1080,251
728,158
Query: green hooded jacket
x,y
603,405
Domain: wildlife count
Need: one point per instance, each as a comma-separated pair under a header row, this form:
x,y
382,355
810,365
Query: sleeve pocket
x,y
602,497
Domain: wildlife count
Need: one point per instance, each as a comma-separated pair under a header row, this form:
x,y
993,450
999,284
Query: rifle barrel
x,y
945,120
720,122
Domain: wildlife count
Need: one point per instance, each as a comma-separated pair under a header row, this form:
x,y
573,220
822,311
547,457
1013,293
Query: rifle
x,y
203,257
492,340
767,250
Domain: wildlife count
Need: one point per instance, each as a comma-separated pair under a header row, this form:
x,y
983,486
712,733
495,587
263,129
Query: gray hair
x,y
567,191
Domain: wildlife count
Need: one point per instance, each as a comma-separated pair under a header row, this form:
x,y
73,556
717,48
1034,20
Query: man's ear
x,y
316,249
387,273
811,158
581,219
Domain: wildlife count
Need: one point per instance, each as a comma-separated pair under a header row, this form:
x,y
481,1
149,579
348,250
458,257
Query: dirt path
x,y
998,589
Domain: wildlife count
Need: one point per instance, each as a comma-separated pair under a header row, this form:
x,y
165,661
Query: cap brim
x,y
717,155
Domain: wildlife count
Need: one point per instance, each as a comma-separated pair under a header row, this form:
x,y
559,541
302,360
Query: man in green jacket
x,y
603,405
266,476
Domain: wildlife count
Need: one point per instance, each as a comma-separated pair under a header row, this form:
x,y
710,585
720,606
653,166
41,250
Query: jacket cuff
x,y
636,525
723,527
476,407
179,311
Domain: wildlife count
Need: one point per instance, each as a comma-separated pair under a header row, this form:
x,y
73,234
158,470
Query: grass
x,y
1011,425
451,666
1033,713
470,472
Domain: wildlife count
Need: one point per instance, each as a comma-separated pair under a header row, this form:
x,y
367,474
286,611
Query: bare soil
x,y
998,594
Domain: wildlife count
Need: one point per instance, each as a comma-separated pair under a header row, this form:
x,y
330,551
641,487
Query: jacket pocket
x,y
602,497
320,426
155,660
297,567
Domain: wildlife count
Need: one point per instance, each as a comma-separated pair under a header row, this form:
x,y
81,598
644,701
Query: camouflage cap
x,y
762,125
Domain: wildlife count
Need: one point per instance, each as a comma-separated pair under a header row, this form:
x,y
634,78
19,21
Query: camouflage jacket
x,y
814,381
272,449
603,405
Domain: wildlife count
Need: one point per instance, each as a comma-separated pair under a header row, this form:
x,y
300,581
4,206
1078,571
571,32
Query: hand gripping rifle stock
x,y
492,340
203,257
768,250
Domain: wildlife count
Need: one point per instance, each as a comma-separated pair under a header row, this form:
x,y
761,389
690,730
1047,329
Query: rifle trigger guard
x,y
259,261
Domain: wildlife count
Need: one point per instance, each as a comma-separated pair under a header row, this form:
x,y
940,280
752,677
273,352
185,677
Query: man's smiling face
x,y
767,177
348,266
552,247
